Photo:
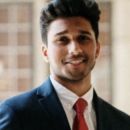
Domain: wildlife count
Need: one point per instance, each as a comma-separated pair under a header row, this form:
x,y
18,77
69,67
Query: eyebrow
x,y
85,32
80,31
61,33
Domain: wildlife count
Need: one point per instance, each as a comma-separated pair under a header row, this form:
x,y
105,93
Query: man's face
x,y
72,49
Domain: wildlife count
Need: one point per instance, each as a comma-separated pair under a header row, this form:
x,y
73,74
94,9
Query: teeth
x,y
76,62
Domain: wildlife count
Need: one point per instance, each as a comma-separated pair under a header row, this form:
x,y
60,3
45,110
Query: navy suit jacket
x,y
40,109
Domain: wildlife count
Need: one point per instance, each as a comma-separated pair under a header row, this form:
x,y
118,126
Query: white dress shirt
x,y
68,99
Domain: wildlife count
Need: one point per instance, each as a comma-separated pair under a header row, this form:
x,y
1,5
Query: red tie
x,y
79,121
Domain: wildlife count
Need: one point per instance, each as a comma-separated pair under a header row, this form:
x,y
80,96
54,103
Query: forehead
x,y
69,24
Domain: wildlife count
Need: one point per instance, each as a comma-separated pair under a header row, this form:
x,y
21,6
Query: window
x,y
15,49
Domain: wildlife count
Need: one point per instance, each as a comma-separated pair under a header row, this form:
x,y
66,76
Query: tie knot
x,y
80,105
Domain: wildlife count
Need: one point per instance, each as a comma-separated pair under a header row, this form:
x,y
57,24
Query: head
x,y
69,30
87,9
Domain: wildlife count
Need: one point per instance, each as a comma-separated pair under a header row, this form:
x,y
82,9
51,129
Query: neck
x,y
78,87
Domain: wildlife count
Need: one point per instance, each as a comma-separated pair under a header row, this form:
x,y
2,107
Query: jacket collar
x,y
52,106
101,113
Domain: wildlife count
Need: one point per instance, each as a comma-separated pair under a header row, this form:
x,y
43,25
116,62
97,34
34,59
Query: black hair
x,y
69,8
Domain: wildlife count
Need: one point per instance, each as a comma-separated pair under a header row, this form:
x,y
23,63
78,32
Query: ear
x,y
97,49
44,53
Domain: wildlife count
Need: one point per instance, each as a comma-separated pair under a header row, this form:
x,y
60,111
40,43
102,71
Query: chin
x,y
73,77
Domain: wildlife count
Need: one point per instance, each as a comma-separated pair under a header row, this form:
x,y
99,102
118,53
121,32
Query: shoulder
x,y
20,100
29,98
115,116
10,108
104,106
113,110
108,115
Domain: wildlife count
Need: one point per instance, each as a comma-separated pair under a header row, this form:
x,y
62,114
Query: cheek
x,y
57,54
92,50
54,56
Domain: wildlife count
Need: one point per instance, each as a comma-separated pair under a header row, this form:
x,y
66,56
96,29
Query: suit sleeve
x,y
8,119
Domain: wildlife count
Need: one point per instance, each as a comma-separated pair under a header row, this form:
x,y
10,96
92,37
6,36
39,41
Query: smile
x,y
76,62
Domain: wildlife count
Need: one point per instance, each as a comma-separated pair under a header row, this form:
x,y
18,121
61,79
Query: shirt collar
x,y
68,98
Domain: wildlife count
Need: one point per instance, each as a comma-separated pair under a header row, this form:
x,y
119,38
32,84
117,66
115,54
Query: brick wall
x,y
101,76
15,49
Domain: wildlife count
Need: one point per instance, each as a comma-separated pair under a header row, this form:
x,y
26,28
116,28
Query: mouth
x,y
76,62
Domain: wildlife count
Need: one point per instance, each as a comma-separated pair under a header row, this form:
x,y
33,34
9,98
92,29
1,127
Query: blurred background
x,y
21,64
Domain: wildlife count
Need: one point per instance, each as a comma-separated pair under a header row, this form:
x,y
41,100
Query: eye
x,y
63,39
83,38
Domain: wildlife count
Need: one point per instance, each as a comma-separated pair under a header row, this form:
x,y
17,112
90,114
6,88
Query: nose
x,y
74,48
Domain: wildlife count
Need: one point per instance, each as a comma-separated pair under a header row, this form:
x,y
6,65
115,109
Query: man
x,y
69,31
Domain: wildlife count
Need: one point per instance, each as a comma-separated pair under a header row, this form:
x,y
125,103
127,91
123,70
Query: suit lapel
x,y
52,106
101,113
54,110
